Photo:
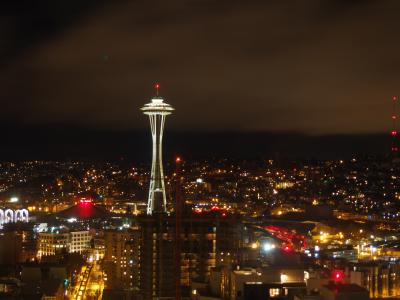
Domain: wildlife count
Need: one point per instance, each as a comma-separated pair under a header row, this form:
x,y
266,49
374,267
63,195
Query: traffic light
x,y
66,282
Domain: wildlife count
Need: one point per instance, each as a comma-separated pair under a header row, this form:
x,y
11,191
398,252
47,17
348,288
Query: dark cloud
x,y
314,66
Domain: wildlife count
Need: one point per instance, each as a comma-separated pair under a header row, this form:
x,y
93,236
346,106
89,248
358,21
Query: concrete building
x,y
381,279
261,291
247,283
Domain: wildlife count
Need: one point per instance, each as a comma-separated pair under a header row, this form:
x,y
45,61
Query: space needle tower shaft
x,y
157,110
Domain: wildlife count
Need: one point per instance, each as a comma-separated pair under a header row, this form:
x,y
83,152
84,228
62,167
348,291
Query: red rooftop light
x,y
287,248
338,275
85,200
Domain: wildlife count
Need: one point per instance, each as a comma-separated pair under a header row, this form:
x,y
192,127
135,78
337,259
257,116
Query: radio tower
x,y
157,110
178,228
395,147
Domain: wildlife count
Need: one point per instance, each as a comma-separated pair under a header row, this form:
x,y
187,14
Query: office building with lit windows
x,y
52,243
56,241
120,260
79,241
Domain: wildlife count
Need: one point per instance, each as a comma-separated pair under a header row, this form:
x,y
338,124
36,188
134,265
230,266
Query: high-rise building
x,y
204,238
120,259
157,110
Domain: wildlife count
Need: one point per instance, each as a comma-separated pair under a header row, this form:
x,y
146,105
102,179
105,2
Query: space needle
x,y
157,110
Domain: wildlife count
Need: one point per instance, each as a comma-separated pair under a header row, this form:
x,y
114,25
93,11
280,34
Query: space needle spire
x,y
157,110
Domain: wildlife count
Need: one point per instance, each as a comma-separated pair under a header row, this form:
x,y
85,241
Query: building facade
x,y
202,238
55,242
121,259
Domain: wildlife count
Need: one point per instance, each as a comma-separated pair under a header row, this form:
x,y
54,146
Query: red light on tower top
x,y
394,98
178,160
157,87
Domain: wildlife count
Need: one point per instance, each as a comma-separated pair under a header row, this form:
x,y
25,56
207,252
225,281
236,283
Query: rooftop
x,y
345,288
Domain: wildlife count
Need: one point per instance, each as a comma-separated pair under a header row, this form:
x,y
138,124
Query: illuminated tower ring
x,y
157,110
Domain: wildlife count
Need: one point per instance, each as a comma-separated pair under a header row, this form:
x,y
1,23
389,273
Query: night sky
x,y
311,67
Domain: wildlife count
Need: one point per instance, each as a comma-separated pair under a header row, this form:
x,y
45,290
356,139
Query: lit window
x,y
274,292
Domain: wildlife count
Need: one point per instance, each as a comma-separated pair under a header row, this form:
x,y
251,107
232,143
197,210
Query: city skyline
x,y
276,178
